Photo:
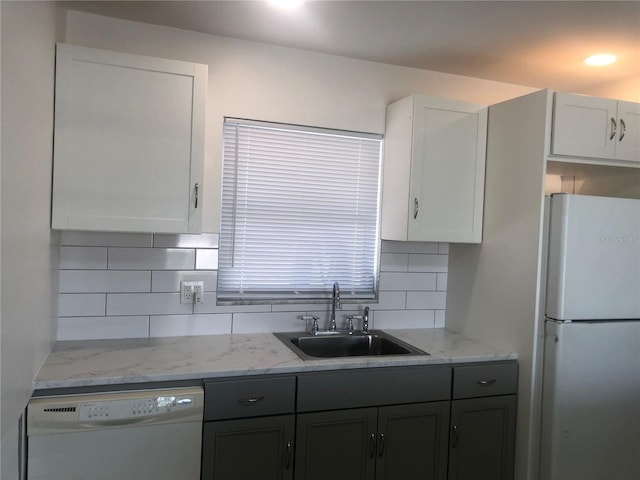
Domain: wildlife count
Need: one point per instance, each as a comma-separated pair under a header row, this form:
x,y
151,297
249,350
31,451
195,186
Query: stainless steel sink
x,y
375,343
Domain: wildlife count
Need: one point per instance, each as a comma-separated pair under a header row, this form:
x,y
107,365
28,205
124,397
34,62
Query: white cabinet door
x,y
433,186
129,142
595,128
584,126
628,144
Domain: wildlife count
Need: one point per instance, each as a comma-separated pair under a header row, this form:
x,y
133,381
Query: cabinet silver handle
x,y
454,442
287,463
372,445
415,208
614,127
623,129
486,383
382,443
196,202
250,401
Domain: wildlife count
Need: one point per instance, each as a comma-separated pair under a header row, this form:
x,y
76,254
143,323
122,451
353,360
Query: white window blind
x,y
299,212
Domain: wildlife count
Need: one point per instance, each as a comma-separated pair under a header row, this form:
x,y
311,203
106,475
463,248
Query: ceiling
x,y
533,43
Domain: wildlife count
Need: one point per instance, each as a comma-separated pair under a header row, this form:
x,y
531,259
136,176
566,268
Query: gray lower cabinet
x,y
248,449
401,442
483,420
401,423
482,438
412,442
336,445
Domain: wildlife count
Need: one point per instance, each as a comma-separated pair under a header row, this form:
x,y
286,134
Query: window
x,y
299,212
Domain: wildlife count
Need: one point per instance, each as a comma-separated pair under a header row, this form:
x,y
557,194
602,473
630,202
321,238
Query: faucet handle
x,y
314,325
350,324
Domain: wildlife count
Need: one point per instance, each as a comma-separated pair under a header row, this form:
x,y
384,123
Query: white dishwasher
x,y
132,435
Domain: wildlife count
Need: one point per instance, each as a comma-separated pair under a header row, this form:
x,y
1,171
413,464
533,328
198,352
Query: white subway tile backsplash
x,y
106,239
116,285
206,259
81,304
184,325
394,262
151,259
409,247
407,281
267,322
169,280
209,306
404,319
441,283
206,240
94,328
426,300
390,300
146,304
89,281
428,263
85,258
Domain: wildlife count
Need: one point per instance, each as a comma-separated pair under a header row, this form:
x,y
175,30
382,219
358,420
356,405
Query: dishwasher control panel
x,y
134,407
46,415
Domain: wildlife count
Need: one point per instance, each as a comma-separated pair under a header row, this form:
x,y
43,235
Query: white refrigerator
x,y
591,367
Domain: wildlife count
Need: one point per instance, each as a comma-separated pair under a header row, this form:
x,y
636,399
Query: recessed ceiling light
x,y
285,4
600,59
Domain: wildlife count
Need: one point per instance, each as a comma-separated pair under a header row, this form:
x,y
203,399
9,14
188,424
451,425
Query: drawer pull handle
x,y
623,129
250,401
372,445
486,383
454,441
382,442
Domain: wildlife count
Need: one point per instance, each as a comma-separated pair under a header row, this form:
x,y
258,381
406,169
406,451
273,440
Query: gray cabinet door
x,y
412,442
248,449
482,438
336,445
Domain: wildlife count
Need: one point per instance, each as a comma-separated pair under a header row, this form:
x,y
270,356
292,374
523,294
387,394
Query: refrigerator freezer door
x,y
594,258
591,401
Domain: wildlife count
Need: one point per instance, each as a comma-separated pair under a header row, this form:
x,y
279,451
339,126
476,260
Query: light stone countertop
x,y
111,362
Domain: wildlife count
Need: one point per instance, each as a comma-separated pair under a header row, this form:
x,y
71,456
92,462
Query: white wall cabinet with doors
x,y
129,142
433,176
595,128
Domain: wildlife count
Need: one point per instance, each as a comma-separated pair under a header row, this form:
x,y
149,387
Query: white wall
x,y
626,89
28,256
263,82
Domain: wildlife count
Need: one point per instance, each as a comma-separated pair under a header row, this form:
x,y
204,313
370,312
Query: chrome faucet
x,y
335,303
365,320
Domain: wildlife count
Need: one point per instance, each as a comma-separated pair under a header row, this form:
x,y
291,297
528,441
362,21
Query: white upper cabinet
x,y
129,142
433,177
595,128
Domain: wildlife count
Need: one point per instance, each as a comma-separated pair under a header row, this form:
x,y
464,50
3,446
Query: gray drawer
x,y
485,380
373,387
249,397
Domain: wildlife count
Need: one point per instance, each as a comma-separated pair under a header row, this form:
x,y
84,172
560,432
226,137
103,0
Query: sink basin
x,y
375,343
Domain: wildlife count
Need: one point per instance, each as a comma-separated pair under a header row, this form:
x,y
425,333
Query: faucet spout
x,y
335,303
